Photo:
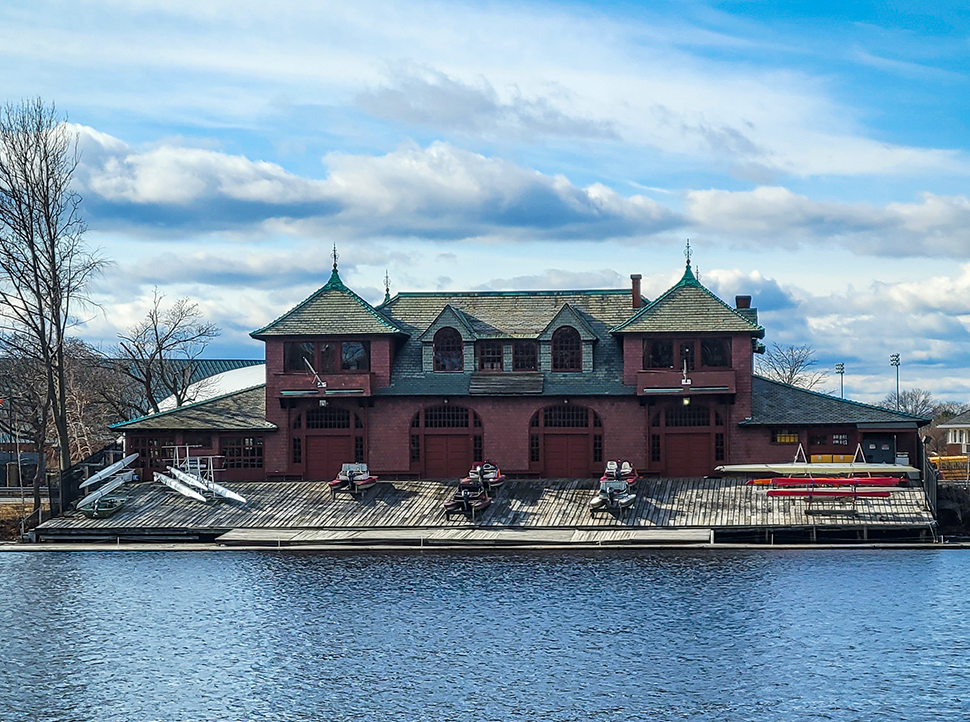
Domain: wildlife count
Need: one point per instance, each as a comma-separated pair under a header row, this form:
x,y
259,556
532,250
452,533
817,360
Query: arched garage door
x,y
332,437
566,441
445,441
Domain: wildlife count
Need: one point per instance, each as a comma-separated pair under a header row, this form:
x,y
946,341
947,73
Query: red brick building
x,y
545,383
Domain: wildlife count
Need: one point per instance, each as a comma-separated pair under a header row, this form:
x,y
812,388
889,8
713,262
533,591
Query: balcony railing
x,y
352,384
653,382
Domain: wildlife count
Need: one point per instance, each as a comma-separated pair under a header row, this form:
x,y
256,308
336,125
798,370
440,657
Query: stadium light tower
x,y
894,361
840,370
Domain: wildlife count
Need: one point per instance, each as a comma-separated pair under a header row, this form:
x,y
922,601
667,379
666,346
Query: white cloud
x,y
436,192
937,225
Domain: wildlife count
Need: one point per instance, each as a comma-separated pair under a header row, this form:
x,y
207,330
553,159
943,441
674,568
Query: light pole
x,y
894,361
840,370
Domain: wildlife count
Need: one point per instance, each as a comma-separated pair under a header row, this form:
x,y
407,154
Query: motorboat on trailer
x,y
620,469
470,498
612,495
353,478
486,473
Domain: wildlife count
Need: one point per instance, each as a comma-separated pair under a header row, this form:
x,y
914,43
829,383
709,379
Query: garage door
x,y
688,455
566,456
326,454
447,456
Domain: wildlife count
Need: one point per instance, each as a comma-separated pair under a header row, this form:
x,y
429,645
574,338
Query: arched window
x,y
449,354
567,350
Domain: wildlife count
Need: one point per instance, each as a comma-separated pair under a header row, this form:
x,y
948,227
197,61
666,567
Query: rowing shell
x,y
178,486
827,481
844,493
206,485
106,489
109,470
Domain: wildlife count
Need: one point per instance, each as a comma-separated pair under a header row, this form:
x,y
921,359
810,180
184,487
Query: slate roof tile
x,y
688,306
777,404
243,410
334,309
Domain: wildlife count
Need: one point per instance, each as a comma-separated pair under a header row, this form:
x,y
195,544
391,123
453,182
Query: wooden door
x,y
326,454
447,456
688,454
566,456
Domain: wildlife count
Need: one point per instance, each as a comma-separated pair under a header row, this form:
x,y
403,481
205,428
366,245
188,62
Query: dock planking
x,y
533,504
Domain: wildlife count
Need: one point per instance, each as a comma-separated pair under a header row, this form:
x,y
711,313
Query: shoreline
x,y
21,547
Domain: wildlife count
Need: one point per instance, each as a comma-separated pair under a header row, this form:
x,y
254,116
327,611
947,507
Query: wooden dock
x,y
546,511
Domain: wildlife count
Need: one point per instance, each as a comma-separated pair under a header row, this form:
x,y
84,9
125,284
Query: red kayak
x,y
844,493
828,481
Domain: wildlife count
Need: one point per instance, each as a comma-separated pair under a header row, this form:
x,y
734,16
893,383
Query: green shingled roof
x,y
243,410
778,404
507,314
334,309
690,307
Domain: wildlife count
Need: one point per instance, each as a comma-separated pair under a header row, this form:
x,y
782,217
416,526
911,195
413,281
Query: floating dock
x,y
523,513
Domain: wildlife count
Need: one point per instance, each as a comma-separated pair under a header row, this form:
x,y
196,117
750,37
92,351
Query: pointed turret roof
x,y
689,306
334,309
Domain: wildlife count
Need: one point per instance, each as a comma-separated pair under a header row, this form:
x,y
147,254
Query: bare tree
x,y
792,365
161,352
941,413
45,266
915,401
25,414
89,413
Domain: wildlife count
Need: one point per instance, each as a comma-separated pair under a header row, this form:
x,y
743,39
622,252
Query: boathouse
x,y
545,383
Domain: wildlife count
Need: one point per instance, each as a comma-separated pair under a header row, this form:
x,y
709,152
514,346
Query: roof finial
x,y
387,286
335,255
687,252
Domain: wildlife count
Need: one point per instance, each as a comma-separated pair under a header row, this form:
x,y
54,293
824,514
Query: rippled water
x,y
718,635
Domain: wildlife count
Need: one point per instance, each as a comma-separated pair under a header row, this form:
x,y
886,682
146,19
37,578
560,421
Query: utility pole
x,y
840,370
894,361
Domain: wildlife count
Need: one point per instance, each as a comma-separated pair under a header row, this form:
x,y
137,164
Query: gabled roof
x,y
243,410
960,421
568,316
778,404
509,315
334,309
453,317
689,306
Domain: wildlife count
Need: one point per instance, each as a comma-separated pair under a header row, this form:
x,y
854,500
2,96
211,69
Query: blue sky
x,y
814,153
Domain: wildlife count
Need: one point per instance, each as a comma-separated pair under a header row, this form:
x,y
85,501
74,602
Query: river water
x,y
647,635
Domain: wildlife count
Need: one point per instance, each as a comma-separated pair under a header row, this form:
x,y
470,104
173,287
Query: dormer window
x,y
567,350
449,352
490,356
525,356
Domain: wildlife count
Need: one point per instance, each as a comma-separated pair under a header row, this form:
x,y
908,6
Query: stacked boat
x,y
111,494
473,493
615,491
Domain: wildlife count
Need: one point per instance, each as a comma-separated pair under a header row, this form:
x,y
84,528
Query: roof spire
x,y
686,253
335,255
387,286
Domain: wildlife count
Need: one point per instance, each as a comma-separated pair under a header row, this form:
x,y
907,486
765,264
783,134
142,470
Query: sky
x,y
815,154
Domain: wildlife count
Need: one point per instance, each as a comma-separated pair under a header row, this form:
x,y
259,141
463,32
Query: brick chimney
x,y
635,277
742,302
